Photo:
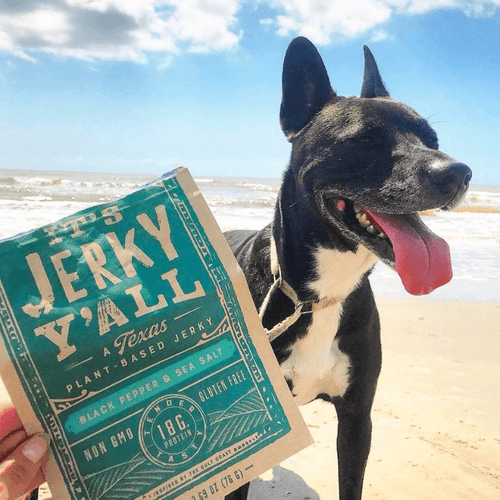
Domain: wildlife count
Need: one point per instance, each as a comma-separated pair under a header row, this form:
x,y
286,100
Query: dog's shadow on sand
x,y
284,485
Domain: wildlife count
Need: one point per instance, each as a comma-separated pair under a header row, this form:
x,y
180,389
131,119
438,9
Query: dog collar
x,y
309,306
306,307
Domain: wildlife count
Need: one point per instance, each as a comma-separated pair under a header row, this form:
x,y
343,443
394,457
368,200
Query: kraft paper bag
x,y
128,334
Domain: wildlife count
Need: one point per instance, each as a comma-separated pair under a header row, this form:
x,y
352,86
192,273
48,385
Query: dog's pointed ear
x,y
373,86
306,86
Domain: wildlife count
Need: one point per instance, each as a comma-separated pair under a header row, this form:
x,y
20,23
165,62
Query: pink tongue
x,y
422,259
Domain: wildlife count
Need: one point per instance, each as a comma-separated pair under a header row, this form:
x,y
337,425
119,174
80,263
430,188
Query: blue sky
x,y
147,85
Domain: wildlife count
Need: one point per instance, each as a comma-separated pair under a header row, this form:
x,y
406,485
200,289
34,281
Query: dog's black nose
x,y
453,178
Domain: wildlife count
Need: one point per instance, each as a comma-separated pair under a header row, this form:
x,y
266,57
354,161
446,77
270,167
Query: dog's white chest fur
x,y
316,365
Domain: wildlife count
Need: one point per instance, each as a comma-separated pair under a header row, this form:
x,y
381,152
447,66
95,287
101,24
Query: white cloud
x,y
472,8
324,20
319,20
380,35
203,24
133,29
423,6
116,29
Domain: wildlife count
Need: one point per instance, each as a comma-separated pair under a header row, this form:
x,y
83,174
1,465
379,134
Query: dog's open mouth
x,y
420,257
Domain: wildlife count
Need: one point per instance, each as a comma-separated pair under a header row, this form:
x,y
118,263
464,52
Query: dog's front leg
x,y
353,447
240,494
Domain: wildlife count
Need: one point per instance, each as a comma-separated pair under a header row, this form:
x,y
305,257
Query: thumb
x,y
18,470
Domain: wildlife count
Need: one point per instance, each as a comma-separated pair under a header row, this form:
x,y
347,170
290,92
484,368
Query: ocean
x,y
30,199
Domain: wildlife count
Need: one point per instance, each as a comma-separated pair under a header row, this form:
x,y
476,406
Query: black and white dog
x,y
360,170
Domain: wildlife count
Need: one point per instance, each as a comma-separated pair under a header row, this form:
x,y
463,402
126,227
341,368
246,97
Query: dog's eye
x,y
370,136
365,139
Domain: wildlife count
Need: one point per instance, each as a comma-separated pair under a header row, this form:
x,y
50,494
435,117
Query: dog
x,y
360,170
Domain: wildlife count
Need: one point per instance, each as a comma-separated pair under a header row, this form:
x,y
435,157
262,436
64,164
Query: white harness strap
x,y
300,307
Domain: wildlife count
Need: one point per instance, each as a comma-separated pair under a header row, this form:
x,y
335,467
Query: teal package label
x,y
128,338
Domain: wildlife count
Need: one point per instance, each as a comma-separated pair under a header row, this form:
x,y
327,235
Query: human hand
x,y
22,459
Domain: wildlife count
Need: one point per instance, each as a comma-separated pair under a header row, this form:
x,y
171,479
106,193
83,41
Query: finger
x,y
9,421
18,471
9,443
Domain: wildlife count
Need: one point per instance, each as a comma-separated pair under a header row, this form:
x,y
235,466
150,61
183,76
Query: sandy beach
x,y
436,415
